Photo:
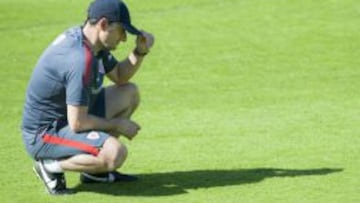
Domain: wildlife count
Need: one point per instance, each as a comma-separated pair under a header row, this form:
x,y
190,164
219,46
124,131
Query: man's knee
x,y
131,87
116,161
133,91
121,100
114,154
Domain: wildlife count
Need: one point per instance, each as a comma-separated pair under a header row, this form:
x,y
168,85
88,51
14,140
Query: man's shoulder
x,y
67,47
70,39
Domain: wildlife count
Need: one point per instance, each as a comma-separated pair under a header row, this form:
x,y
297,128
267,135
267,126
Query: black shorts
x,y
98,108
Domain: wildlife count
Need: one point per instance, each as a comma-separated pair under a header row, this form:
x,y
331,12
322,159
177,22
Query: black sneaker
x,y
55,183
110,177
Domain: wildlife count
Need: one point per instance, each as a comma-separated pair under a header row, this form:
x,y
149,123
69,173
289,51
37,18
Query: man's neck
x,y
91,35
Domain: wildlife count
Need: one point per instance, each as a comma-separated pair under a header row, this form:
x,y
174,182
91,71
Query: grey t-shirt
x,y
67,73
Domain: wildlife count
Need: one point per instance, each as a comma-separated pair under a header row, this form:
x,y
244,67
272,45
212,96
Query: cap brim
x,y
131,29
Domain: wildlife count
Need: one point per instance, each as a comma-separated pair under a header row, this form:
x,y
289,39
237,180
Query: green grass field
x,y
242,101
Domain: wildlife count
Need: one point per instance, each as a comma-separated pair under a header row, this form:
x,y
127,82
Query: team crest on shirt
x,y
110,57
101,66
93,135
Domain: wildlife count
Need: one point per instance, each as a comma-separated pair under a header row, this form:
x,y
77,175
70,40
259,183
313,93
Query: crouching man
x,y
70,121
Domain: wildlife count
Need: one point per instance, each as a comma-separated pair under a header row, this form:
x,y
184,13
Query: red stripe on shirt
x,y
51,139
88,61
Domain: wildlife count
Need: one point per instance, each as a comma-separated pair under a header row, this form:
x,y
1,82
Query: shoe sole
x,y
51,192
86,178
37,173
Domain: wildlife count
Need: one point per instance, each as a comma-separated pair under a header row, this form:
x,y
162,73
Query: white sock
x,y
52,166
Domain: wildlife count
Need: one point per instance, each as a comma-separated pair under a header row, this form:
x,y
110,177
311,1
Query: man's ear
x,y
103,24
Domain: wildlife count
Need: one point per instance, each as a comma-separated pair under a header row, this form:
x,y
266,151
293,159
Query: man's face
x,y
112,35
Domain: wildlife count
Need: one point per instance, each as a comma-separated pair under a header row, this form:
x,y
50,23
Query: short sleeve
x,y
78,83
109,61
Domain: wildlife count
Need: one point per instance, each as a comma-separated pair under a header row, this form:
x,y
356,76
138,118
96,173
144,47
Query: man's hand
x,y
144,42
126,127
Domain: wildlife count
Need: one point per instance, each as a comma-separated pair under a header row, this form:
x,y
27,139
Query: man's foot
x,y
55,183
110,177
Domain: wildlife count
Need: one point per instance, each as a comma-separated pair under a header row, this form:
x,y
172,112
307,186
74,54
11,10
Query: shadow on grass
x,y
172,183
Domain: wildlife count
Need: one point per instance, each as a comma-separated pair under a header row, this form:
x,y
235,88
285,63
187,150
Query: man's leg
x,y
111,156
93,152
121,100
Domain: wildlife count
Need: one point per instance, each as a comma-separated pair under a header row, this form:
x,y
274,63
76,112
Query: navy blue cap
x,y
114,11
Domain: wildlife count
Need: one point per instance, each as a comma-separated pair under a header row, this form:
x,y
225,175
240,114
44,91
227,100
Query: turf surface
x,y
242,101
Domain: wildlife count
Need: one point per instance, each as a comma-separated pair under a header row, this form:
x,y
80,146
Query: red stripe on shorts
x,y
50,139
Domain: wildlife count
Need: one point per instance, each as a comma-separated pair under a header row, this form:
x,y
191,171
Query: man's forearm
x,y
90,122
128,67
